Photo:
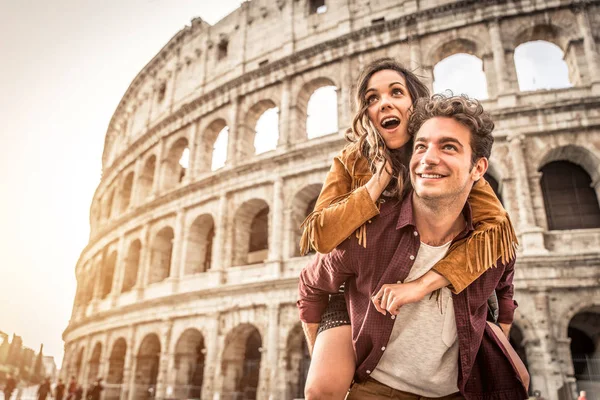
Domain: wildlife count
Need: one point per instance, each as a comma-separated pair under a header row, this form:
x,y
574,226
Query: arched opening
x,y
94,364
108,272
494,184
78,364
161,254
132,264
584,331
267,131
297,363
108,206
146,179
241,363
126,193
116,366
189,365
540,65
517,340
302,205
200,244
570,201
212,147
175,165
461,73
219,150
251,233
146,368
321,112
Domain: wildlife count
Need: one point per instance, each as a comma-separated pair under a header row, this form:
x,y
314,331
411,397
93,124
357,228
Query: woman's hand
x,y
393,296
380,179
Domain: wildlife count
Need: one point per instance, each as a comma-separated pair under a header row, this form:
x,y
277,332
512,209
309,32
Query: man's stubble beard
x,y
444,201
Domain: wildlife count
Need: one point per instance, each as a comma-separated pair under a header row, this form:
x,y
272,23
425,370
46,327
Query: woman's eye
x,y
397,92
371,99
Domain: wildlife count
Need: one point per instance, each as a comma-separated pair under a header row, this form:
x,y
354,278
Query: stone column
x,y
211,365
289,244
232,140
546,374
504,90
272,351
158,168
220,261
119,271
135,196
532,238
191,173
284,115
85,363
345,95
590,48
276,231
165,357
129,367
104,357
144,265
178,258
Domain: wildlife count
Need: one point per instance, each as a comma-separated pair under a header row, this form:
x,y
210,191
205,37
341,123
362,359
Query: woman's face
x,y
389,106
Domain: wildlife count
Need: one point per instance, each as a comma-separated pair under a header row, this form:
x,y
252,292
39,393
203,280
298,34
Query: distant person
x,y
78,393
96,390
59,390
72,388
9,386
44,390
582,395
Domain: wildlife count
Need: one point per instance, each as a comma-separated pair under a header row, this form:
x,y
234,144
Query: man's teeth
x,y
431,176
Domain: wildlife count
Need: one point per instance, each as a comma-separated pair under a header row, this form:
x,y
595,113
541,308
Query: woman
x,y
370,168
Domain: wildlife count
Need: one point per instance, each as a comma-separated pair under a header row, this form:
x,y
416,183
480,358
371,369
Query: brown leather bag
x,y
514,358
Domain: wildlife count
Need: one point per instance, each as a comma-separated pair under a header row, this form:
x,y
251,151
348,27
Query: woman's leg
x,y
332,365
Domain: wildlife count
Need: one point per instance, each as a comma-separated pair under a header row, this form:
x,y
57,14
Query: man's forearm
x,y
310,331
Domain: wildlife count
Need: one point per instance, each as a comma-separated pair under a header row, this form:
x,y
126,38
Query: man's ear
x,y
479,169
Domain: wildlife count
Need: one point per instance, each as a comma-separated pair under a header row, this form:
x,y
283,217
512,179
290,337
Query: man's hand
x,y
393,296
310,331
505,328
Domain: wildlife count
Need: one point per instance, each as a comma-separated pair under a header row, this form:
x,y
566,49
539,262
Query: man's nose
x,y
431,156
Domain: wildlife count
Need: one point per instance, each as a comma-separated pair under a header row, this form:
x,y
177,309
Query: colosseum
x,y
187,286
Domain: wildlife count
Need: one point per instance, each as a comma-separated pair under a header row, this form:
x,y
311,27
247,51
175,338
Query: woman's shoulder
x,y
350,154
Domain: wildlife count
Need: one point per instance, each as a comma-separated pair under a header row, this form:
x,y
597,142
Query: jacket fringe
x,y
497,242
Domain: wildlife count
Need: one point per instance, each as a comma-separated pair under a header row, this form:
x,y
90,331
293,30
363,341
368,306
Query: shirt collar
x,y
407,217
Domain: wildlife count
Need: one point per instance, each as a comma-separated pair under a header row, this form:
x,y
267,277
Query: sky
x,y
65,66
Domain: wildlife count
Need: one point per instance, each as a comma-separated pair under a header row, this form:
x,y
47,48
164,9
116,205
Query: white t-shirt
x,y
421,356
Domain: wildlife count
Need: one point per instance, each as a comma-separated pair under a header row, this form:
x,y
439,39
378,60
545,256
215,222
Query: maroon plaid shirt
x,y
484,369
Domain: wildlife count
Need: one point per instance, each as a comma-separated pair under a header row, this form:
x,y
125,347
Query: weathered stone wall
x,y
278,54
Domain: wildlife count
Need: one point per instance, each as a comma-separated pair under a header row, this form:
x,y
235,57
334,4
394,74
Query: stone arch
x,y
146,367
116,362
251,232
570,188
161,252
189,364
303,98
206,153
173,171
88,285
240,364
200,245
493,177
466,51
302,204
132,265
94,363
541,73
125,193
583,329
109,204
297,363
146,179
567,39
251,135
108,272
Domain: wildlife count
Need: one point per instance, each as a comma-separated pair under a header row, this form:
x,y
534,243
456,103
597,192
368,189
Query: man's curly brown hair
x,y
462,109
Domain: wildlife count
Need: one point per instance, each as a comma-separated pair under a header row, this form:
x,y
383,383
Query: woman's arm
x,y
493,239
347,201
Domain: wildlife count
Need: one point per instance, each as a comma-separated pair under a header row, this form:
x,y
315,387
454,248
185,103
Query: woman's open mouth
x,y
390,123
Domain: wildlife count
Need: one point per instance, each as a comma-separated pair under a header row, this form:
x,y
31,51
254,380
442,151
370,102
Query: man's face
x,y
440,167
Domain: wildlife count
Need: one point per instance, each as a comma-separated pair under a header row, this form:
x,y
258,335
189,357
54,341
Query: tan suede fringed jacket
x,y
345,206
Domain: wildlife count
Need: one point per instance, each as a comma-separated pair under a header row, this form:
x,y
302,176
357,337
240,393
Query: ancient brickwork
x,y
187,286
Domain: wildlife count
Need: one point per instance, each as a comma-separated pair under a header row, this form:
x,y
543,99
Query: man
x,y
72,388
439,346
59,390
44,389
96,390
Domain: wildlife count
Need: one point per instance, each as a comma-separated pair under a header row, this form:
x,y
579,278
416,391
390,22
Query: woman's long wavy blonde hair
x,y
369,140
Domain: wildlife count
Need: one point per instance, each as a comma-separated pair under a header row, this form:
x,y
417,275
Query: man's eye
x,y
419,147
450,147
